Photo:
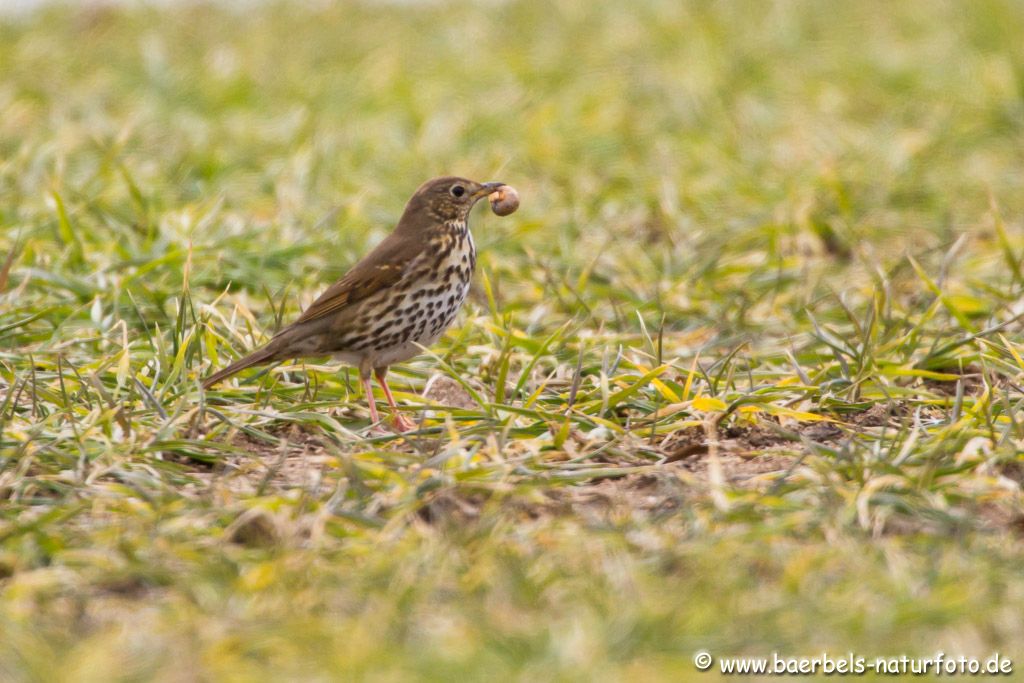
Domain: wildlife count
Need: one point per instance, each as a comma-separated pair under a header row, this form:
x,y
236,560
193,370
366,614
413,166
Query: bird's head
x,y
448,198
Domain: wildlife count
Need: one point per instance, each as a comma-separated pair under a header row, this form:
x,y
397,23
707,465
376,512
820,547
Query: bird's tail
x,y
258,357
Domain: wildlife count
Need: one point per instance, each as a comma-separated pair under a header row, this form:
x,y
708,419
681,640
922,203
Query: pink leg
x,y
368,390
402,423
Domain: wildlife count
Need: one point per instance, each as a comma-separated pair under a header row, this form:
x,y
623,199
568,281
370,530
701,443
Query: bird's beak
x,y
487,188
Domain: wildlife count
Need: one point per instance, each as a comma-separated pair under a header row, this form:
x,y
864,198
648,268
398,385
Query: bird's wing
x,y
381,268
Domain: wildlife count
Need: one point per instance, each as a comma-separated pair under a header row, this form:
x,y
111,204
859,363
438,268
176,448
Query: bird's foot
x,y
399,425
402,423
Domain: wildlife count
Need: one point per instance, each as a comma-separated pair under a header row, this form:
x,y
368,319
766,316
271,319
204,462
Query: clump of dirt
x,y
822,432
764,434
447,392
744,470
749,454
971,377
297,461
684,444
877,415
452,507
1012,470
253,528
654,494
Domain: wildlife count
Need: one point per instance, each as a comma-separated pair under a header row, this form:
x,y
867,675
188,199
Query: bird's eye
x,y
458,190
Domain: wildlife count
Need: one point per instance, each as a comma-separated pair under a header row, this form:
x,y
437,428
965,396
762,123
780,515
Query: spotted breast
x,y
418,310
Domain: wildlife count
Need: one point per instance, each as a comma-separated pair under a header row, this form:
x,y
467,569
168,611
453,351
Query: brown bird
x,y
402,296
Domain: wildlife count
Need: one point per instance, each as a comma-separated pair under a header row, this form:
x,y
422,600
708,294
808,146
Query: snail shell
x,y
504,200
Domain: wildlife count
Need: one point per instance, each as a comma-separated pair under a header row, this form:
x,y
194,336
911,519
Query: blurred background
x,y
675,149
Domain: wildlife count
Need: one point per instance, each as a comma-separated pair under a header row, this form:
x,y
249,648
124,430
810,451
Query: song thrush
x,y
402,296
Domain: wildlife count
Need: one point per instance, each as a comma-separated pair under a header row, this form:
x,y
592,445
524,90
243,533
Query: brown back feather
x,y
381,268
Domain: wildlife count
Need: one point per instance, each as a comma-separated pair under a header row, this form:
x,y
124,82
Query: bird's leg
x,y
364,379
402,423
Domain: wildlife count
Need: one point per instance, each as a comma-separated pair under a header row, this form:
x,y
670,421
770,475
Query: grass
x,y
743,373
